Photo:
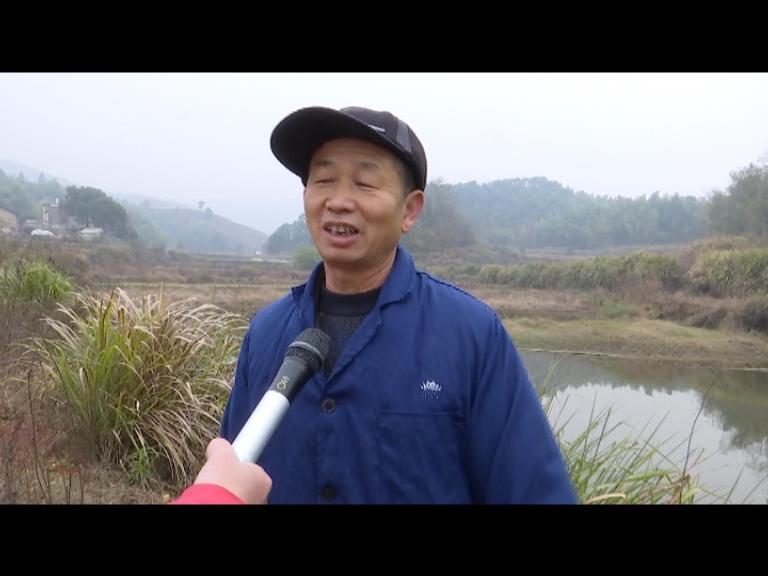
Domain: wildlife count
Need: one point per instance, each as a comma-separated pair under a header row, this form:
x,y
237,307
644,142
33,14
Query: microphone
x,y
305,356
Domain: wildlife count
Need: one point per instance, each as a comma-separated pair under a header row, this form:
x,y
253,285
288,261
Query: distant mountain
x,y
150,202
522,213
181,227
13,169
194,230
537,212
158,222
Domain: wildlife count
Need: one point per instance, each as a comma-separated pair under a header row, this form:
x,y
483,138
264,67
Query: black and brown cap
x,y
301,133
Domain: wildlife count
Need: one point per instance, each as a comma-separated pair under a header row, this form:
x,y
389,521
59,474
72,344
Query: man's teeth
x,y
341,230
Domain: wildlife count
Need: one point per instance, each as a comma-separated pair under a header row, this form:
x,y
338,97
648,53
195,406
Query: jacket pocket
x,y
421,458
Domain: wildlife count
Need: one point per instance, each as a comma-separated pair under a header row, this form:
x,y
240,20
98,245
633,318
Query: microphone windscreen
x,y
312,346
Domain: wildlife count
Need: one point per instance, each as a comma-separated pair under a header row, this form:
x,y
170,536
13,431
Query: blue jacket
x,y
428,403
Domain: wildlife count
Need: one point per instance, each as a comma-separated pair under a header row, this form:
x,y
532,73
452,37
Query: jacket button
x,y
328,492
329,404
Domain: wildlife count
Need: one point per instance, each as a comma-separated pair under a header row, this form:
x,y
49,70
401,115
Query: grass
x,y
32,282
609,463
725,272
28,289
632,469
607,272
146,380
244,299
642,338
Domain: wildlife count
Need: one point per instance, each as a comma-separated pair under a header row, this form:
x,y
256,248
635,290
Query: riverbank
x,y
651,340
643,326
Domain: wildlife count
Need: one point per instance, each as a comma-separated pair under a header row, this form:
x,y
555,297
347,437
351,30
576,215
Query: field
x,y
46,457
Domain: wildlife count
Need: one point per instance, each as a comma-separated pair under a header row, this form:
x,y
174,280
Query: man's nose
x,y
341,199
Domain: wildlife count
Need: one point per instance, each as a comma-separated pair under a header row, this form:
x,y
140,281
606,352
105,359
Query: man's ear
x,y
414,204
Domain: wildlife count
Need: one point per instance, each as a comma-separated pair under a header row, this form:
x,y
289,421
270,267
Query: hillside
x,y
200,231
30,174
537,212
159,223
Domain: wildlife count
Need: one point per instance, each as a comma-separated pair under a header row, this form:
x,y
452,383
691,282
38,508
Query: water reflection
x,y
732,430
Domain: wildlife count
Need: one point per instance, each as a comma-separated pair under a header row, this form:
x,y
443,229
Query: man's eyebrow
x,y
322,163
368,165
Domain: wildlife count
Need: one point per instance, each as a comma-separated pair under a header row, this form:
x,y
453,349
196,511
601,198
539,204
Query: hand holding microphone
x,y
305,356
228,476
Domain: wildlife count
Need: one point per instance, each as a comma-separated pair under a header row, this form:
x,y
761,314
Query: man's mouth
x,y
340,230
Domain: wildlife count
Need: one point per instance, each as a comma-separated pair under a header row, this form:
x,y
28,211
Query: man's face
x,y
355,206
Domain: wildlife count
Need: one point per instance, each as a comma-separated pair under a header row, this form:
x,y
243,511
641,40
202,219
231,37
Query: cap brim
x,y
296,138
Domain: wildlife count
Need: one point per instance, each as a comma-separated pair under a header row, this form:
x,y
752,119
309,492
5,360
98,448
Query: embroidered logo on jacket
x,y
431,388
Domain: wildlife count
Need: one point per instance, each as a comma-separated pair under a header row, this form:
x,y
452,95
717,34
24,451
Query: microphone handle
x,y
260,426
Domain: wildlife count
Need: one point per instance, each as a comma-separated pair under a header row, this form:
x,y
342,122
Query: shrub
x,y
146,380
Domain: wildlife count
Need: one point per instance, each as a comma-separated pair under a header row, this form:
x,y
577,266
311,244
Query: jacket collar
x,y
398,284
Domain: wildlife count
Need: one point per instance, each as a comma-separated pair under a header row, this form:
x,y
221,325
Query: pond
x,y
730,436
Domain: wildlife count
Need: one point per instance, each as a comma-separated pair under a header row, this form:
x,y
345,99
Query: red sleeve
x,y
207,494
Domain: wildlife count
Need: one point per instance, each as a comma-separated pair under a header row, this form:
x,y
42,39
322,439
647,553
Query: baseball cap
x,y
301,133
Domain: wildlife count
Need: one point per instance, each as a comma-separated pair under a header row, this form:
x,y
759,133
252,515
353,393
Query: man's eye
x,y
365,185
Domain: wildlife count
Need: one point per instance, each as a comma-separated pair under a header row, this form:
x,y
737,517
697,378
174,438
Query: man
x,y
424,398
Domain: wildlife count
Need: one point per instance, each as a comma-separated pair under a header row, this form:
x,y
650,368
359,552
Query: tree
x,y
725,215
92,207
288,237
76,203
279,241
743,208
305,257
441,226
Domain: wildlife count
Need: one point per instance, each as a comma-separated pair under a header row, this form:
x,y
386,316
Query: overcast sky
x,y
192,137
